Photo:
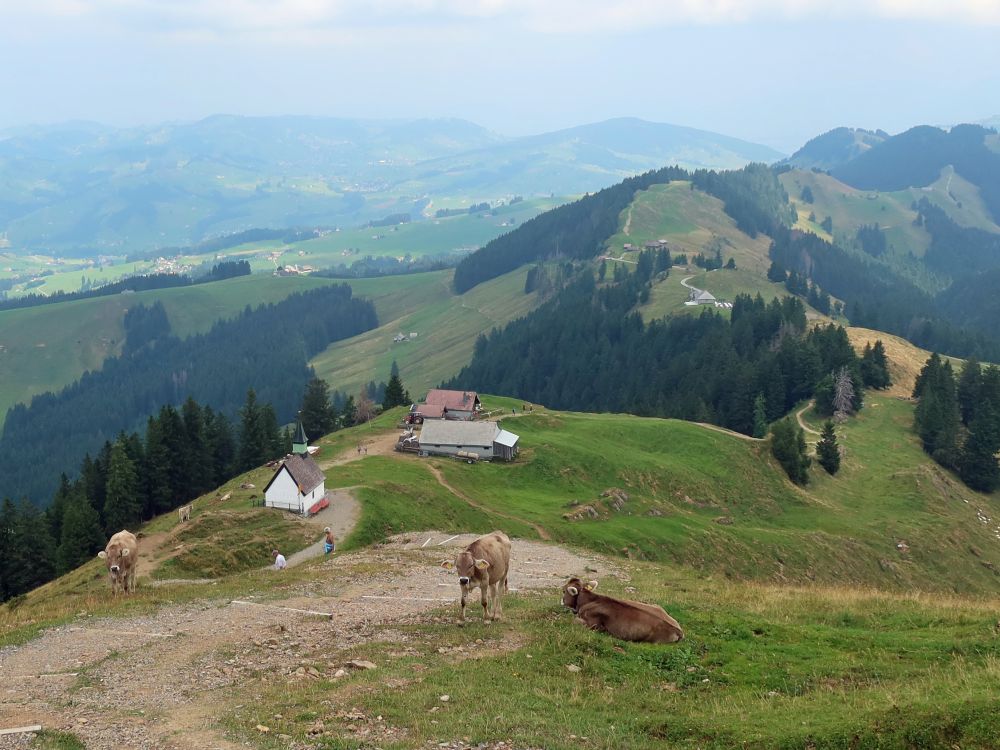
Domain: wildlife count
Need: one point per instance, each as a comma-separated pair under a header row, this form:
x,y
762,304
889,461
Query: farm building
x,y
462,405
485,440
298,484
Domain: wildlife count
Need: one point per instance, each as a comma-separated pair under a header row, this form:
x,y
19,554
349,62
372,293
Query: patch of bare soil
x,y
162,680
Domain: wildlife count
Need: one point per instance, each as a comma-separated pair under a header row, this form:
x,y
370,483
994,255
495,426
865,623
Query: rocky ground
x,y
160,680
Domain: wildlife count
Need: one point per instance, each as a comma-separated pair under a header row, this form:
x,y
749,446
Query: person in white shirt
x,y
279,560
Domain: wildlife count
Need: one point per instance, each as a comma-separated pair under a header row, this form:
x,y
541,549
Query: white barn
x,y
297,485
485,439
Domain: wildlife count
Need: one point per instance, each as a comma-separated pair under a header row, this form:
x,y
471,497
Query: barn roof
x,y
459,400
303,471
429,410
705,295
458,433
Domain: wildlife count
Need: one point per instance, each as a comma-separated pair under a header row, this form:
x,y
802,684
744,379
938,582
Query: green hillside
x,y
446,325
692,222
48,347
799,609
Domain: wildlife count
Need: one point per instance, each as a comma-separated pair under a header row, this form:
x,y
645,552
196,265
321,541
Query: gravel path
x,y
341,517
162,680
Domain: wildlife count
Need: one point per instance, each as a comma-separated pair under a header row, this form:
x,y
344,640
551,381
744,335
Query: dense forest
x,y
587,349
875,297
958,419
266,348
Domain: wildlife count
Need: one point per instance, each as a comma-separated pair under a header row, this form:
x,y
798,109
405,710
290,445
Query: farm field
x,y
448,237
446,325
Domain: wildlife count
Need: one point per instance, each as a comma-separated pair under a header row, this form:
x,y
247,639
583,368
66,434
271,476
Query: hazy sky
x,y
772,71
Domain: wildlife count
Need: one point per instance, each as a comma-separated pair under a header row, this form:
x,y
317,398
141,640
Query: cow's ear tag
x,y
102,554
482,564
591,585
447,564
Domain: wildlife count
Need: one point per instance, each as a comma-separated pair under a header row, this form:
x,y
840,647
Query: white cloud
x,y
546,16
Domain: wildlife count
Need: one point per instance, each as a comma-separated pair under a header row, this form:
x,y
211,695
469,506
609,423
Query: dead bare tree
x,y
843,395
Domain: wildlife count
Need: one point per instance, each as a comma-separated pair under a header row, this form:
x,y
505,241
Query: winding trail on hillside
x,y
542,533
802,424
727,431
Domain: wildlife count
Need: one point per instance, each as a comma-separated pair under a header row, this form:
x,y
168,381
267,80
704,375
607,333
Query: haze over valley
x,y
728,388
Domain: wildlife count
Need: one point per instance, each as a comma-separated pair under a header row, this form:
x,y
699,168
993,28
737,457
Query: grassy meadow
x,y
760,667
805,625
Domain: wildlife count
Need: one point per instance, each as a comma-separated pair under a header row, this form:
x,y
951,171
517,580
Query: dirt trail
x,y
542,533
726,431
341,517
187,666
802,424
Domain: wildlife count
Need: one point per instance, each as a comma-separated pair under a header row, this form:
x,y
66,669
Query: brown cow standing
x,y
121,556
484,563
630,621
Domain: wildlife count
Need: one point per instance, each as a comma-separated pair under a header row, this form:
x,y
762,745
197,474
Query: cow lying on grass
x,y
484,563
121,556
630,621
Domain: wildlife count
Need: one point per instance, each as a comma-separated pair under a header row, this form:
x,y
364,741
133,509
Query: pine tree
x,y
789,448
31,556
276,442
254,441
970,384
759,416
977,463
843,395
122,508
221,446
395,394
317,414
937,417
875,366
197,467
8,516
827,450
55,512
81,536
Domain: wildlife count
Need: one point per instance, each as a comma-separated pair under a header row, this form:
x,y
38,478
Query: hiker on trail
x,y
279,560
359,449
329,544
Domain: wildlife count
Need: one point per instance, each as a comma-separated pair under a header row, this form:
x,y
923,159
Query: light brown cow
x,y
185,512
121,556
484,563
628,620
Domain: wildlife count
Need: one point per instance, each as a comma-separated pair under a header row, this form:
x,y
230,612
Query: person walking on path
x,y
329,543
279,560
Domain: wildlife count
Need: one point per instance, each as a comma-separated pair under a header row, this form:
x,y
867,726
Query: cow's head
x,y
114,555
571,592
466,565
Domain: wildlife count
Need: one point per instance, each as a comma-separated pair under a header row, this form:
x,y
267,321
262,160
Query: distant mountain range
x,y
86,188
874,160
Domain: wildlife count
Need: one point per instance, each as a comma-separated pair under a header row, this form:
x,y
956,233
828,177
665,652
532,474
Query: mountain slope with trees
x,y
267,348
